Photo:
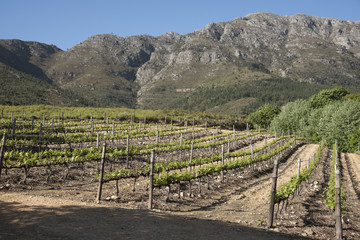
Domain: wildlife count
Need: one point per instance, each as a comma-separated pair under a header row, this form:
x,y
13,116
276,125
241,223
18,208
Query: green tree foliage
x,y
336,119
354,141
354,96
339,121
264,114
327,96
293,116
277,91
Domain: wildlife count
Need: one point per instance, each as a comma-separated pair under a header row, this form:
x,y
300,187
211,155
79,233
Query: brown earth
x,y
235,209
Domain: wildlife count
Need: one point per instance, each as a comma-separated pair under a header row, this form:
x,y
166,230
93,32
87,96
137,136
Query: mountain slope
x,y
228,67
20,88
300,47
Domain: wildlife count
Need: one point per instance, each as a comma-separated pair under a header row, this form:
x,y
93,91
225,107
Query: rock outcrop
x,y
138,71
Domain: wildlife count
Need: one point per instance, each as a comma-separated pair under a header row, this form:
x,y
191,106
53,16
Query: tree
x,y
339,121
264,114
354,96
327,96
354,141
293,116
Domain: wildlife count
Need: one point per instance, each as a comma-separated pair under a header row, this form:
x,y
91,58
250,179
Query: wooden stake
x,y
298,174
272,197
338,224
151,178
191,155
314,157
97,141
222,162
127,150
308,163
2,152
98,198
13,126
252,150
228,150
92,126
113,129
40,132
234,132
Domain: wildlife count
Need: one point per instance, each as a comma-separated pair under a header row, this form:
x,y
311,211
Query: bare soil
x,y
234,209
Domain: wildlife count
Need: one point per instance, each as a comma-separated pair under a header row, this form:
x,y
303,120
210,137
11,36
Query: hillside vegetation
x,y
227,67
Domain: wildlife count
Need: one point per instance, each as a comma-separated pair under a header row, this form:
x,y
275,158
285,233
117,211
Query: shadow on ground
x,y
73,222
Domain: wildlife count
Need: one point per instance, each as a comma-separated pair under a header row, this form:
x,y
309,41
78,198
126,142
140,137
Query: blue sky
x,y
65,23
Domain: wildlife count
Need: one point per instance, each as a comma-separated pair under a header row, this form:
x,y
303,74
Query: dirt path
x,y
351,185
248,202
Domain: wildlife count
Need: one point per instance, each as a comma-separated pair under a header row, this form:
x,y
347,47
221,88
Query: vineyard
x,y
200,168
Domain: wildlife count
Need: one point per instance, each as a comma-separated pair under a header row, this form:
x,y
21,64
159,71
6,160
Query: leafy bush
x,y
264,115
293,116
327,96
355,96
354,141
339,121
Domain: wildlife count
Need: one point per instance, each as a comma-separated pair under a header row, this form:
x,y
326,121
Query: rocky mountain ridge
x,y
168,70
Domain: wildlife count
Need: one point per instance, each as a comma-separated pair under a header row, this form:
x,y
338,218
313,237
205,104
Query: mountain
x,y
22,75
226,67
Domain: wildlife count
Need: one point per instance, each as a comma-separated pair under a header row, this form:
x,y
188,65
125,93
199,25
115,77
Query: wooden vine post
x,y
127,150
13,126
92,126
308,163
314,157
2,151
191,154
265,139
228,150
40,132
298,174
151,178
338,224
222,162
273,192
98,198
113,129
97,141
252,150
181,141
234,133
